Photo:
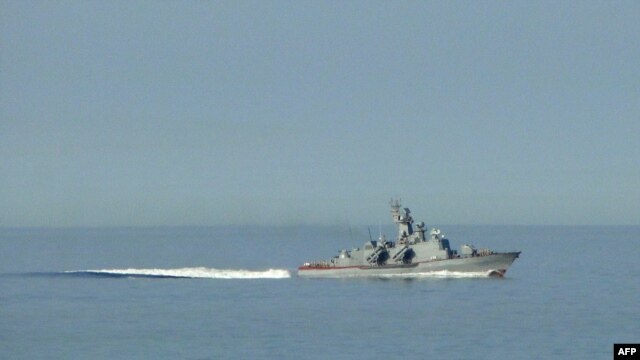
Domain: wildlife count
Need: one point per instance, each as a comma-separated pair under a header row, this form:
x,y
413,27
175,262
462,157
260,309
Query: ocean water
x,y
232,293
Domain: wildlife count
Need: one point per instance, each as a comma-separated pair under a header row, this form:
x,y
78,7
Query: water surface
x,y
230,292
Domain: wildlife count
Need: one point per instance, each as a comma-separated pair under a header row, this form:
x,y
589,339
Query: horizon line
x,y
88,227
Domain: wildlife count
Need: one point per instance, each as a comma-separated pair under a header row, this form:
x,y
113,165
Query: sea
x,y
232,292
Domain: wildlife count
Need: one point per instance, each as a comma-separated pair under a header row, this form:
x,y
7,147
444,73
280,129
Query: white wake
x,y
443,274
196,273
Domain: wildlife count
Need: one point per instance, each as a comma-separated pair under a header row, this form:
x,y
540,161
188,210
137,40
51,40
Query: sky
x,y
171,113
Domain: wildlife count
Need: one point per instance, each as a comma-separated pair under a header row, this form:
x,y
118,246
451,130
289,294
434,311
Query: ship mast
x,y
402,218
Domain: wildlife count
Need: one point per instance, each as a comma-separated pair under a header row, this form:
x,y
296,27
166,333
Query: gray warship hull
x,y
490,265
410,253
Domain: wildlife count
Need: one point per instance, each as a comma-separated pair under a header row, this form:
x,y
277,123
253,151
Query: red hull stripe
x,y
361,267
302,268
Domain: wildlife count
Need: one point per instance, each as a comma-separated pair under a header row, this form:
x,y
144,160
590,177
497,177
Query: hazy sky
x,y
287,112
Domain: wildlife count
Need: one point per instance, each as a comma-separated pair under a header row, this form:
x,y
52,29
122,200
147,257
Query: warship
x,y
411,253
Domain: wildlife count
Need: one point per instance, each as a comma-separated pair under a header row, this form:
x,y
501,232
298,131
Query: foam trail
x,y
443,274
194,273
